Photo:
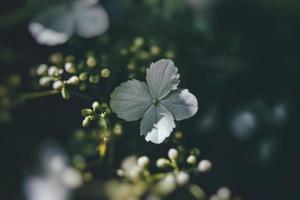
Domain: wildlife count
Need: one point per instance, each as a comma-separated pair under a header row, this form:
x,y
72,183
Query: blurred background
x,y
240,58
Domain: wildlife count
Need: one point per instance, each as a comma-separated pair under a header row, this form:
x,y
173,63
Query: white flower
x,y
159,102
56,24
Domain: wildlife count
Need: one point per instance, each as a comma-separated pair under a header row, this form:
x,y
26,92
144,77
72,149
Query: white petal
x,y
53,26
91,21
181,103
130,100
157,124
162,77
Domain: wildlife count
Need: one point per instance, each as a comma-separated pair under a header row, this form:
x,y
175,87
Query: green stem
x,y
24,97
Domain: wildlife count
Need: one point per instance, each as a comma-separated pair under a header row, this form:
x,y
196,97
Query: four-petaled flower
x,y
159,101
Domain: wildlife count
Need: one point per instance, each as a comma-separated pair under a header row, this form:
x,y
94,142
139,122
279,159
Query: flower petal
x,y
130,100
157,124
162,77
91,21
181,103
53,26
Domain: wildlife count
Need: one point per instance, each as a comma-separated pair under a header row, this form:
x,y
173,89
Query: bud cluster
x,y
64,73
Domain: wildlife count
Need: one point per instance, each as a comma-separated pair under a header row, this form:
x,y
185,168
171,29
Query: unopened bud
x,y
57,85
42,69
191,159
182,178
162,162
70,67
74,80
91,62
96,106
64,93
173,154
94,79
204,165
143,161
86,112
45,81
52,71
83,76
105,73
87,121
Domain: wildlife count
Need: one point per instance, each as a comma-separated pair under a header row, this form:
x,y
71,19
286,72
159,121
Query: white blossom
x,y
159,101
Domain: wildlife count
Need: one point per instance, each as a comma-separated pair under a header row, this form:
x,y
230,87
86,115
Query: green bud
x,y
64,93
86,112
123,52
154,50
82,87
131,66
86,122
83,76
94,79
14,80
56,58
105,73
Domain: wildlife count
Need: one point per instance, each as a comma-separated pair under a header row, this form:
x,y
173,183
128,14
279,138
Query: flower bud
x,y
42,69
143,161
91,62
154,50
86,112
162,162
86,122
182,178
56,58
64,93
57,85
105,73
74,80
173,154
204,165
117,129
83,76
120,172
191,159
52,71
96,106
70,67
224,193
138,41
45,81
94,79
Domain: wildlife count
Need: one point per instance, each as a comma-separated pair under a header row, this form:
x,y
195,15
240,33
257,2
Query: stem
x,y
24,97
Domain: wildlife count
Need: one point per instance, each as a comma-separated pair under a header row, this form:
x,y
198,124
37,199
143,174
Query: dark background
x,y
250,61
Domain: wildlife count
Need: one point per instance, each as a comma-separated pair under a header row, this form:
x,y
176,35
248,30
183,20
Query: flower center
x,y
155,102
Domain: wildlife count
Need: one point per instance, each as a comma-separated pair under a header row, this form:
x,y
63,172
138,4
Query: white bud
x,y
72,178
191,159
143,161
182,178
74,80
70,67
173,154
162,162
57,85
52,71
45,81
204,165
42,69
224,193
120,172
135,173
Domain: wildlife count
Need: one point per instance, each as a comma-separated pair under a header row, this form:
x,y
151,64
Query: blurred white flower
x,y
243,125
57,24
159,102
57,178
